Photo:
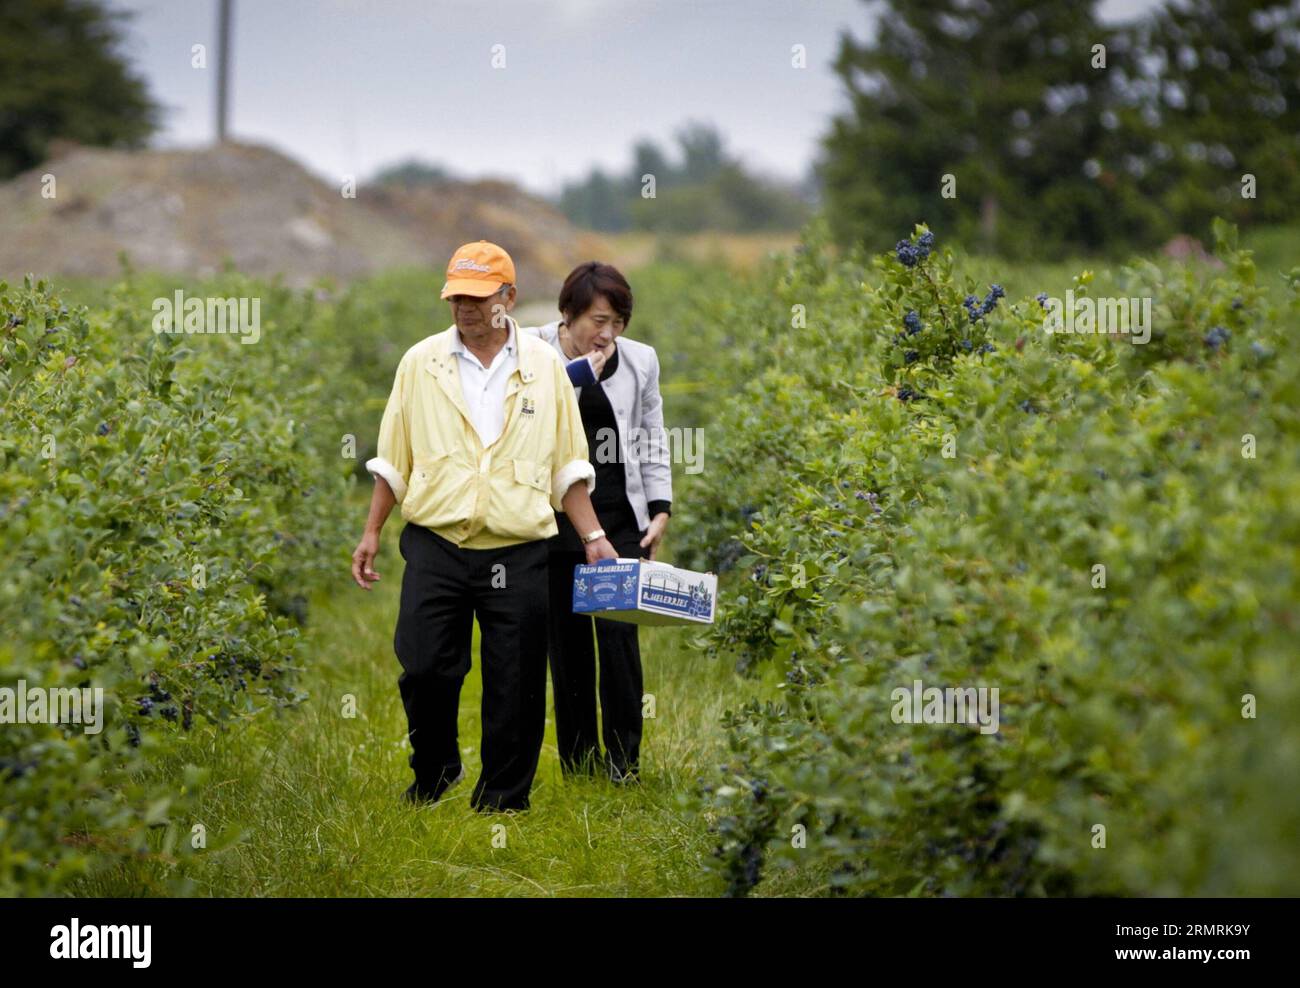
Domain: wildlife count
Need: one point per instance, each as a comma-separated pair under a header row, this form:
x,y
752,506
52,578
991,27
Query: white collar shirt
x,y
484,388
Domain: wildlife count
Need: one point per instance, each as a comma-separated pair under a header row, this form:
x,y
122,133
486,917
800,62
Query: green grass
x,y
314,795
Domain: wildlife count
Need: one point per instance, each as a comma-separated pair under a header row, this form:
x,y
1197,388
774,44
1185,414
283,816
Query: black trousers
x,y
443,589
573,672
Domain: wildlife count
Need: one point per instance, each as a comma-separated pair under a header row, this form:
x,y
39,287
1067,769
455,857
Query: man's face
x,y
478,319
596,328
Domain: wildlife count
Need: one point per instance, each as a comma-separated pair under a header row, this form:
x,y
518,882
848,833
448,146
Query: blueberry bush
x,y
168,502
912,480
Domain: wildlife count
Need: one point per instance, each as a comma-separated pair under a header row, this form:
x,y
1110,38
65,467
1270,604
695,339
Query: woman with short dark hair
x,y
622,412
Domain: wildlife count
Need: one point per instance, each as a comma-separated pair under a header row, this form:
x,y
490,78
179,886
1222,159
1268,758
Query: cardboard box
x,y
643,592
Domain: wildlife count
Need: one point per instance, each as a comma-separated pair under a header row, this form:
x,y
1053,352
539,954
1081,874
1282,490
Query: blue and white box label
x,y
644,592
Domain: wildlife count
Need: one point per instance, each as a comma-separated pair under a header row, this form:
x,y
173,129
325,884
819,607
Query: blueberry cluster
x,y
911,254
1041,298
1216,337
986,348
231,669
157,696
977,310
911,357
907,394
912,322
871,498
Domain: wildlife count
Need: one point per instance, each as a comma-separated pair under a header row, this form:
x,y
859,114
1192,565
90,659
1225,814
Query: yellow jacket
x,y
431,455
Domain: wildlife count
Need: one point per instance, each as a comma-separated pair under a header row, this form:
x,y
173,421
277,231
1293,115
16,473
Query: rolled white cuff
x,y
570,474
382,468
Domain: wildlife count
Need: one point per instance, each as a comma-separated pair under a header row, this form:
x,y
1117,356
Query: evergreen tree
x,y
1003,96
61,77
1226,104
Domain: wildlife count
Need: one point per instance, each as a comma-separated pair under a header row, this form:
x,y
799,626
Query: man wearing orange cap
x,y
480,443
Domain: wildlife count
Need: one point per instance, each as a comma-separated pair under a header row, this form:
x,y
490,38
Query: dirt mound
x,y
191,211
445,214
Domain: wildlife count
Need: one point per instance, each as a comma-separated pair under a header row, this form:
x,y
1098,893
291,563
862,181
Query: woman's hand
x,y
655,533
598,358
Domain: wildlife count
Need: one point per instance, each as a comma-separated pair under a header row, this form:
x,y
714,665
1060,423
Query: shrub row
x,y
167,502
912,481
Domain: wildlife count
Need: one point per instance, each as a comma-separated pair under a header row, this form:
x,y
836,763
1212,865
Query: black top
x,y
605,450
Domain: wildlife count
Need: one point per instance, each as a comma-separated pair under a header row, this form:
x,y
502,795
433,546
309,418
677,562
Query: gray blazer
x,y
633,392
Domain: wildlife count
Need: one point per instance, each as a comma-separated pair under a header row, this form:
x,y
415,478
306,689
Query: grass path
x,y
313,795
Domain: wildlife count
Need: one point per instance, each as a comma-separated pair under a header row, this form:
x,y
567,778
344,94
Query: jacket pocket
x,y
523,508
436,494
422,467
534,474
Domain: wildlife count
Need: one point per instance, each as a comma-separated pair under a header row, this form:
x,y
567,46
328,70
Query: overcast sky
x,y
348,86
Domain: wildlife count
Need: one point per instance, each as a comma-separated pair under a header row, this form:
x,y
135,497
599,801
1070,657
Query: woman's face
x,y
596,328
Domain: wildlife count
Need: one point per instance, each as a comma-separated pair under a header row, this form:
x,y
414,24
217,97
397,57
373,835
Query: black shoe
x,y
624,775
419,795
494,808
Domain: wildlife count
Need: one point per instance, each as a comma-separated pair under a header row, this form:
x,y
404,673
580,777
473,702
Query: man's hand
x,y
600,549
363,559
655,533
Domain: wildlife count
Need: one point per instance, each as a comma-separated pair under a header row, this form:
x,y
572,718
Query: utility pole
x,y
223,66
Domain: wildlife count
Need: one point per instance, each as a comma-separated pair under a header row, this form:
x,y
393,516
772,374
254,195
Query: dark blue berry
x,y
911,357
1216,337
913,323
1042,299
103,429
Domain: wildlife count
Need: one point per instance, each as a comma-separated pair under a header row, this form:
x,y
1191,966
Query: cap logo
x,y
466,262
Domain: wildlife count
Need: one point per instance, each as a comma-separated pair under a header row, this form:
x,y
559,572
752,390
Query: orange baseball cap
x,y
478,269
